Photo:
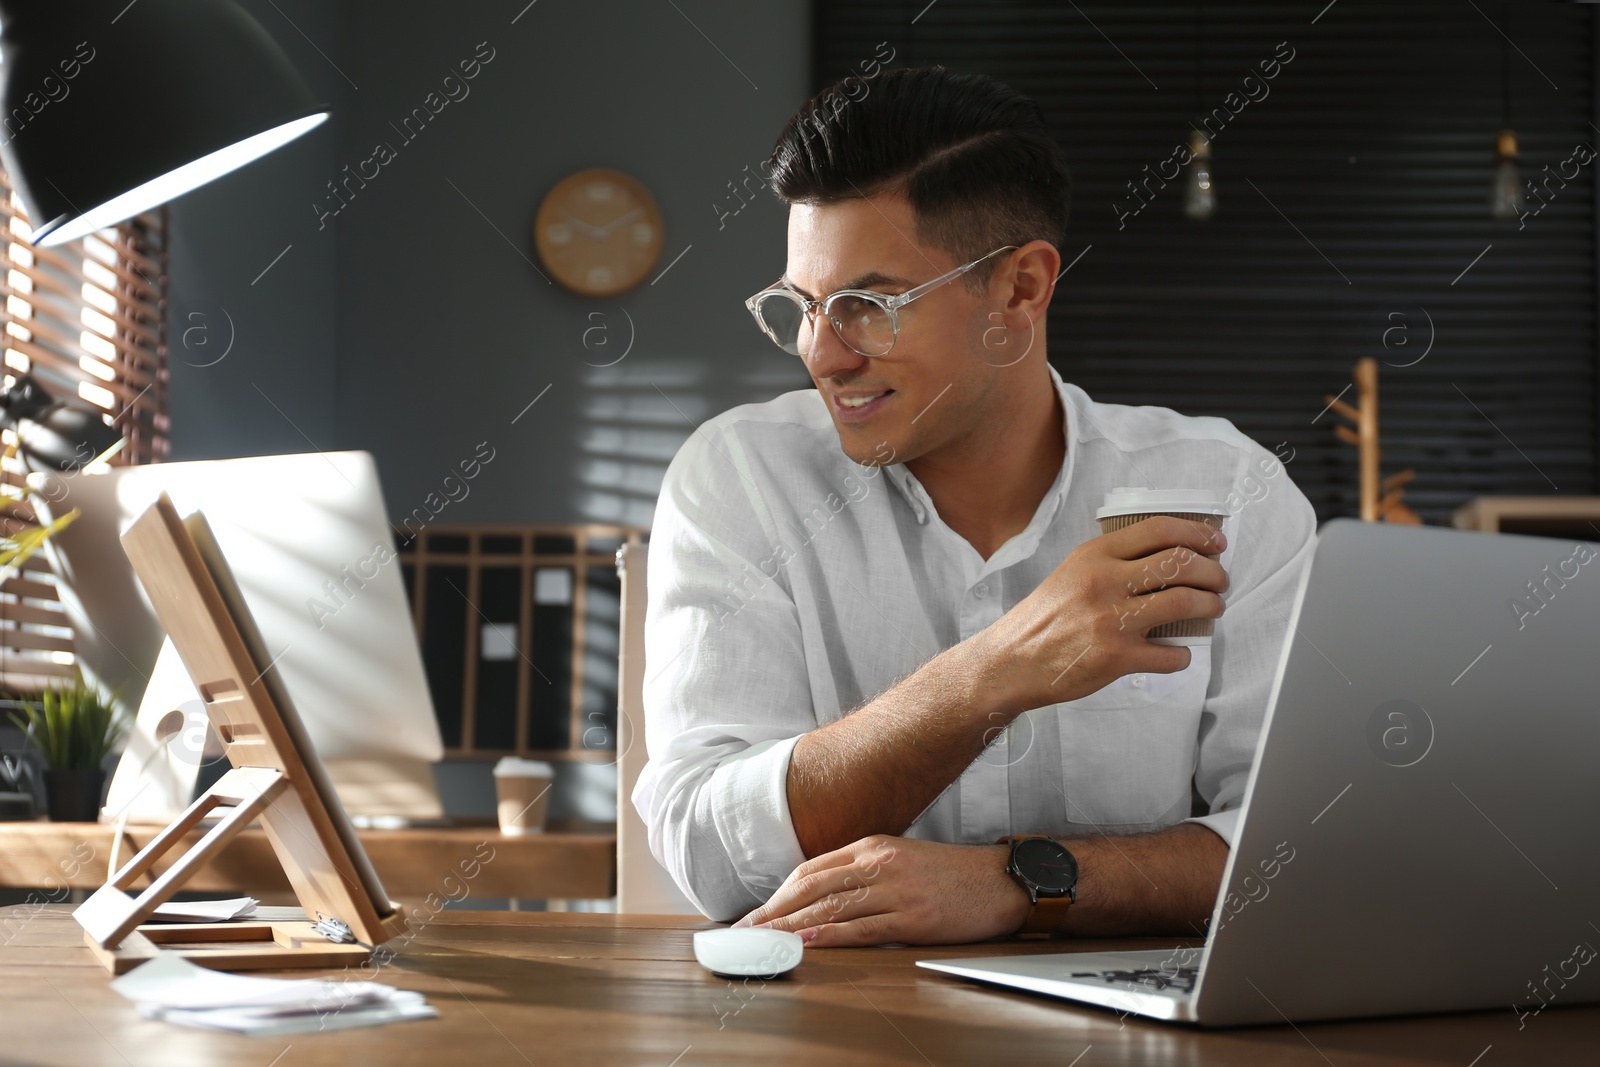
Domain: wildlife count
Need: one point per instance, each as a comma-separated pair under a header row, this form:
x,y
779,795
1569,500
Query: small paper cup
x,y
522,791
1127,505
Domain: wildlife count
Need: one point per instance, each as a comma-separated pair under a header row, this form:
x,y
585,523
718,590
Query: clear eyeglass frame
x,y
891,303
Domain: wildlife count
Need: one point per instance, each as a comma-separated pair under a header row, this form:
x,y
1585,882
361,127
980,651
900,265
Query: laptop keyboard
x,y
1176,979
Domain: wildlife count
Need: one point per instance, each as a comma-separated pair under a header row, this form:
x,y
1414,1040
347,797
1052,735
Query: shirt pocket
x,y
1128,750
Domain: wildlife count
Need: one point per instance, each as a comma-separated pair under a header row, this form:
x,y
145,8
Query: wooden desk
x,y
528,987
562,864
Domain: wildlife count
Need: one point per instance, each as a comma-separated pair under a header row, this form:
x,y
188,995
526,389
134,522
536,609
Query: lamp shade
x,y
108,109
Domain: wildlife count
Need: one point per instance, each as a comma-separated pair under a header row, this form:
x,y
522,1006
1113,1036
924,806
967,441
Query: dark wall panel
x,y
1353,220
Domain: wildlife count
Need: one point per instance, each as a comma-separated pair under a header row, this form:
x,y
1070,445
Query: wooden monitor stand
x,y
276,778
112,919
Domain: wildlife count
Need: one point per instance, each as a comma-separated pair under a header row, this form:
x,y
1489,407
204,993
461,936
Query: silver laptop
x,y
1418,830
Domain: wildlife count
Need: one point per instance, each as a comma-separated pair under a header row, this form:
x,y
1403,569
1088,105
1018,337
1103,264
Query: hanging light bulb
x,y
1505,190
1199,191
1505,194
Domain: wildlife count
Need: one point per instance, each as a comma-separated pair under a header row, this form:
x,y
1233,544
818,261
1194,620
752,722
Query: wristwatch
x,y
1048,873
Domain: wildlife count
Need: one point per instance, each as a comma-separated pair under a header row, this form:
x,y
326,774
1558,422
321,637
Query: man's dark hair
x,y
973,156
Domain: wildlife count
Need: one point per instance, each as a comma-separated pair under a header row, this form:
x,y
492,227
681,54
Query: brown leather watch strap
x,y
1046,916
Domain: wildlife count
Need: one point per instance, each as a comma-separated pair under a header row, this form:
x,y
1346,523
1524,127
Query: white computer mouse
x,y
744,952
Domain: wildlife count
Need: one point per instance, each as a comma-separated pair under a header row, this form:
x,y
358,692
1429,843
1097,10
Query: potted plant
x,y
75,726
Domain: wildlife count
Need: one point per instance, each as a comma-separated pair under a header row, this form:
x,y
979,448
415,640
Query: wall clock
x,y
598,232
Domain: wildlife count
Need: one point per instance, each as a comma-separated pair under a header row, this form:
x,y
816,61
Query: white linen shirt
x,y
789,585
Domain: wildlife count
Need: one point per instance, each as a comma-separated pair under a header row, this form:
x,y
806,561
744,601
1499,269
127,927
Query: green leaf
x,y
15,551
74,725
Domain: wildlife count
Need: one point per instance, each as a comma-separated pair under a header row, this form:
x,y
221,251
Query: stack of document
x,y
169,987
235,909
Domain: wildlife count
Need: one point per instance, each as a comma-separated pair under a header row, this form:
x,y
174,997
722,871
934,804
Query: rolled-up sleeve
x,y
726,694
1271,540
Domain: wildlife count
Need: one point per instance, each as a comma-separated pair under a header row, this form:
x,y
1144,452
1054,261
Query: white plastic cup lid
x,y
1138,500
513,767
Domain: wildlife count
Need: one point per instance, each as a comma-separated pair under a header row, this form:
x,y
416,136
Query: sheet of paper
x,y
206,911
402,1005
170,981
171,988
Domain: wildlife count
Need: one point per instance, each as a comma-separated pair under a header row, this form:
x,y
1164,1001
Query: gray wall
x,y
237,345
446,331
412,323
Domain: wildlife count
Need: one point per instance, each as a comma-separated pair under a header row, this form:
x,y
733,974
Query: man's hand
x,y
1084,626
897,889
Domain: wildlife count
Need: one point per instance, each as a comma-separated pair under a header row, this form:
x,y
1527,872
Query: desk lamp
x,y
110,108
51,432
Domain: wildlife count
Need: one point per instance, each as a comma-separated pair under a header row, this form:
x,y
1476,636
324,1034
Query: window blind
x,y
1352,220
86,320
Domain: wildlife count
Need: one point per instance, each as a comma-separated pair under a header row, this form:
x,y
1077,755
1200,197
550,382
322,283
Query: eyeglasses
x,y
866,321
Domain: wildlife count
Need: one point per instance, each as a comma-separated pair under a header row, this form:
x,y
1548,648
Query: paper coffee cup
x,y
522,790
1127,505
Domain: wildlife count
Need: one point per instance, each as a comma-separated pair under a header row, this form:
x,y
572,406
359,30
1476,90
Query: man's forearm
x,y
875,770
1164,882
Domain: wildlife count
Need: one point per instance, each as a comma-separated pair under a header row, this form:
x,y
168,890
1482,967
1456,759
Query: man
x,y
884,630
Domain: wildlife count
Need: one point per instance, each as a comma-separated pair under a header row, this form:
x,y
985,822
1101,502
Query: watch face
x,y
1047,864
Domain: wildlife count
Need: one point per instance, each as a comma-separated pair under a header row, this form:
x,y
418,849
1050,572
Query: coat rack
x,y
1380,497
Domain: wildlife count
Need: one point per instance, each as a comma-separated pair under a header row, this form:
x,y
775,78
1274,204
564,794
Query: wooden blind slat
x,y
39,616
22,587
17,638
25,672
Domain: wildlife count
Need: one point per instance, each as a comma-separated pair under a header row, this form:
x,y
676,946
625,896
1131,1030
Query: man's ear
x,y
1035,267
1019,298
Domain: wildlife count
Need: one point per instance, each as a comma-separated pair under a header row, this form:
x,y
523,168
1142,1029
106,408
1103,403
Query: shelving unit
x,y
518,630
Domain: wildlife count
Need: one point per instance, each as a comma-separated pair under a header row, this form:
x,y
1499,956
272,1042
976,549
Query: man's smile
x,y
856,405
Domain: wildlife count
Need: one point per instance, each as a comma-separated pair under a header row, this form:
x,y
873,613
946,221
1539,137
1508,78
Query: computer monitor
x,y
309,540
